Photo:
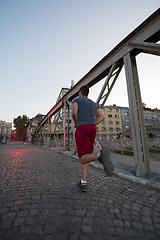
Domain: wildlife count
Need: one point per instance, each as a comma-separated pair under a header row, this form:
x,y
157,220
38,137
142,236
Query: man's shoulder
x,y
79,100
84,100
75,100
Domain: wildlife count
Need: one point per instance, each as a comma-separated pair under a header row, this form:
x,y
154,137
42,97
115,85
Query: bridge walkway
x,y
40,199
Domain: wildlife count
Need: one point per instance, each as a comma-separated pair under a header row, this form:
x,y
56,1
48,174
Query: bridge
x,y
144,39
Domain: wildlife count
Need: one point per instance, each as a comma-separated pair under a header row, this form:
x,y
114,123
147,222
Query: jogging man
x,y
86,115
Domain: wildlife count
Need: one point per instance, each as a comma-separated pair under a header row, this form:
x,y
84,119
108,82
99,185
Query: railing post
x,y
68,132
64,125
48,134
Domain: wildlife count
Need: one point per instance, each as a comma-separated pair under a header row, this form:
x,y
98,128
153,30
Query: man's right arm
x,y
100,116
75,113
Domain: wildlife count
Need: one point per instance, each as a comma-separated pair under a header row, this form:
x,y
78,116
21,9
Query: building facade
x,y
112,123
5,130
151,121
33,123
125,118
117,120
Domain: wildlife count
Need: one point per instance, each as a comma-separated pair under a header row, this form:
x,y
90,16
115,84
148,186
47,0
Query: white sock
x,y
83,181
99,154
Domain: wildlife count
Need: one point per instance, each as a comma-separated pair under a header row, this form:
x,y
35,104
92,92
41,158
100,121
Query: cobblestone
x,y
40,199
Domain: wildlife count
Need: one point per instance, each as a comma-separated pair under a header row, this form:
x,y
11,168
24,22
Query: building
x,y
117,119
112,123
152,121
5,130
125,118
33,123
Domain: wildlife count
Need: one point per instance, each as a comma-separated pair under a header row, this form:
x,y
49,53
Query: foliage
x,y
154,153
20,124
143,105
124,152
157,150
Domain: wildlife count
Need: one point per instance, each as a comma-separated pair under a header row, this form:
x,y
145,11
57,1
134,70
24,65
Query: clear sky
x,y
44,44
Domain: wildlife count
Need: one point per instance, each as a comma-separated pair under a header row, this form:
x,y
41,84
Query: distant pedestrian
x,y
86,115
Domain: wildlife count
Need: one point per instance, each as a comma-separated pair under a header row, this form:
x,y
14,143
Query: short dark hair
x,y
84,90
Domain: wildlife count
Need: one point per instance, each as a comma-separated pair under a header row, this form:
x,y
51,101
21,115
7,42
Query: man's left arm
x,y
75,113
100,116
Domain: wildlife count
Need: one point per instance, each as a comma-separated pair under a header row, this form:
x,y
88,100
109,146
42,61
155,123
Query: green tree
x,y
20,124
143,105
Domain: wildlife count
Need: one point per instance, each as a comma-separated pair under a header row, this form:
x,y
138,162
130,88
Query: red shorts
x,y
85,137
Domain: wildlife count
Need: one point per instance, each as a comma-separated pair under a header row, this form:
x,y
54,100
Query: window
x,y
109,109
126,114
103,128
104,122
116,110
116,116
117,122
69,120
111,129
127,120
110,116
110,122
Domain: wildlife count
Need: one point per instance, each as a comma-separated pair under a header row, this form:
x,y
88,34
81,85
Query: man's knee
x,y
81,160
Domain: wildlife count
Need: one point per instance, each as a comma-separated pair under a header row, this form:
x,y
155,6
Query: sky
x,y
44,44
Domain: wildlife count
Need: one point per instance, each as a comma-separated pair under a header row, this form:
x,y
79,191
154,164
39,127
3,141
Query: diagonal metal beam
x,y
108,85
146,47
113,67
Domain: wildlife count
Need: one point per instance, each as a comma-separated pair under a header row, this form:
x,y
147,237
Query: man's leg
x,y
84,171
85,136
104,158
87,158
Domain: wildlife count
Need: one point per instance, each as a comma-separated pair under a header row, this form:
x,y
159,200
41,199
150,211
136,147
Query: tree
x,y
143,105
20,123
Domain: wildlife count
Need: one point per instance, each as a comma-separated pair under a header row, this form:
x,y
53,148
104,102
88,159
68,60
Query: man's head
x,y
84,91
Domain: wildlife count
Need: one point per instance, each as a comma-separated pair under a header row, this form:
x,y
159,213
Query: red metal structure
x,y
144,39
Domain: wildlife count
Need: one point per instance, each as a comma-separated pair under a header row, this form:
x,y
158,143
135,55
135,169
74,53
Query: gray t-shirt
x,y
86,111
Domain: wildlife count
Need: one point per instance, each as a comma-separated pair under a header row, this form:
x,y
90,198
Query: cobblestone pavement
x,y
40,199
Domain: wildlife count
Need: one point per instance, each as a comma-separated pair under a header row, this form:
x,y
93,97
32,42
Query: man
x,y
86,115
